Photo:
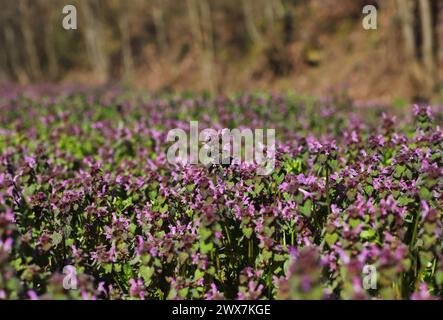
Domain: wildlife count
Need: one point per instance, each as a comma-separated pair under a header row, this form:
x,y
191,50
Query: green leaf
x,y
367,234
399,169
198,274
135,260
331,238
425,194
204,233
278,178
354,223
56,238
164,209
206,247
132,227
108,268
306,208
117,267
279,257
183,292
369,189
258,188
247,231
404,201
161,200
146,274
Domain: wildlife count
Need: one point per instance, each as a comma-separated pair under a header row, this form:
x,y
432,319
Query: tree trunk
x,y
94,42
439,32
420,71
12,54
279,8
194,19
128,63
406,11
51,53
249,22
28,37
201,27
3,66
427,48
160,29
208,68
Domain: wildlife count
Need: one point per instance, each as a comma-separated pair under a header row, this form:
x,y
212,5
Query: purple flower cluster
x,y
84,181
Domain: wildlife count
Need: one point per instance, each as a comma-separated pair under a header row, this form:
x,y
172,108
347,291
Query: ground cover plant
x,y
84,181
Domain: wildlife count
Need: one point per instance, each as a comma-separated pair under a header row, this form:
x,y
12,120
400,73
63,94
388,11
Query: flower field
x,y
84,181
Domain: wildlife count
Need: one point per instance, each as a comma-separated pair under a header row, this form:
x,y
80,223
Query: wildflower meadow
x,y
91,208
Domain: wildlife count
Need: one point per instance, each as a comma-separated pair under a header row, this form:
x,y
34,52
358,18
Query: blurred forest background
x,y
226,46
